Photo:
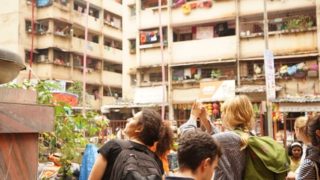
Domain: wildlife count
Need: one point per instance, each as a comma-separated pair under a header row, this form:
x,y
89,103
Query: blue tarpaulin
x,y
41,3
88,159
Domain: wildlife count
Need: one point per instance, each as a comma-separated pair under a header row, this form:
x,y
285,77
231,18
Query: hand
x,y
196,109
205,121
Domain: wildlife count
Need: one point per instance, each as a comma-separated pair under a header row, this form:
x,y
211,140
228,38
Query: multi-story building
x,y
215,49
59,42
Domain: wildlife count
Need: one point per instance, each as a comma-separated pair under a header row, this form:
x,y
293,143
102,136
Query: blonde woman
x,y
237,113
299,129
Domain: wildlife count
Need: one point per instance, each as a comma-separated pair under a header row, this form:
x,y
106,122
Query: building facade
x,y
218,47
59,43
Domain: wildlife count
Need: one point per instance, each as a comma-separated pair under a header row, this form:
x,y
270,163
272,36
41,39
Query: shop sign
x,y
217,90
269,74
149,95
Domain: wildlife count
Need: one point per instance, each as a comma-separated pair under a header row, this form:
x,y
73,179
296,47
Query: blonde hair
x,y
238,113
300,123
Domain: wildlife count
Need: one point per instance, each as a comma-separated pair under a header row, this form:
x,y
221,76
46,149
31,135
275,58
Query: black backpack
x,y
135,164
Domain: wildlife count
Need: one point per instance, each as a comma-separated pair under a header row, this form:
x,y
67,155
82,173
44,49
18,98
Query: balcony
x,y
93,23
53,40
113,6
112,32
219,48
108,100
219,10
93,76
131,2
149,18
56,10
281,43
94,103
52,71
185,95
112,79
248,7
93,49
152,56
96,2
112,54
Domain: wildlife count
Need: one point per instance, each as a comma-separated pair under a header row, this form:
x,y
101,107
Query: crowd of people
x,y
203,152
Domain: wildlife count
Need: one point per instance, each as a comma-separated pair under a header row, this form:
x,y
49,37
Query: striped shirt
x,y
307,170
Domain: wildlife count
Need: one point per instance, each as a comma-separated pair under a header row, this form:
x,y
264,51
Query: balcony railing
x,y
54,40
216,49
112,79
248,7
93,23
152,56
112,54
93,49
113,6
56,10
218,10
281,43
112,31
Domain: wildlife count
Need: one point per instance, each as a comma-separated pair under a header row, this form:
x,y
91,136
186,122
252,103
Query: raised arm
x,y
98,168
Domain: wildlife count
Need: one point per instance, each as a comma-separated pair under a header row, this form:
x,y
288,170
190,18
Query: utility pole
x,y
266,41
164,88
84,77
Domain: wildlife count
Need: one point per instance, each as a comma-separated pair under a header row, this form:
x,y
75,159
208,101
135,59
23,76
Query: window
x,y
132,10
133,79
155,77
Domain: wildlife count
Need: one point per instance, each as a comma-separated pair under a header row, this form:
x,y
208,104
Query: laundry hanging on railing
x,y
149,37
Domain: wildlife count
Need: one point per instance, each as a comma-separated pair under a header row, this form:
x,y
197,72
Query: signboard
x,y
149,95
269,74
217,90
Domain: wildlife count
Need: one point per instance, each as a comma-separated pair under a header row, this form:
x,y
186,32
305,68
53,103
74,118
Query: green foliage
x,y
301,22
71,130
215,74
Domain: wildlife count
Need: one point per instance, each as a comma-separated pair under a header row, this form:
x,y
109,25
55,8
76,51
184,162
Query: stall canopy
x,y
217,90
149,95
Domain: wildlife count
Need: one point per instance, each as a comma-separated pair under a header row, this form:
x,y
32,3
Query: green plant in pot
x,y
215,74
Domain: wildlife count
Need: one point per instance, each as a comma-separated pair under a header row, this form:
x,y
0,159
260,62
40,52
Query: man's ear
x,y
318,132
138,129
206,163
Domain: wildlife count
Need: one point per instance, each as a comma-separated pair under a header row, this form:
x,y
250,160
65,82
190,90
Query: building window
x,y
133,79
155,77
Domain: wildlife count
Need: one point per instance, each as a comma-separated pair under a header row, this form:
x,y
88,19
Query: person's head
x,y
165,142
295,150
238,113
199,153
299,128
144,126
313,130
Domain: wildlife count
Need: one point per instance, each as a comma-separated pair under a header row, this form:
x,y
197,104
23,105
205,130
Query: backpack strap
x,y
125,144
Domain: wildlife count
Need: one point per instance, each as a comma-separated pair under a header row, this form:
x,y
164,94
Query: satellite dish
x,y
10,66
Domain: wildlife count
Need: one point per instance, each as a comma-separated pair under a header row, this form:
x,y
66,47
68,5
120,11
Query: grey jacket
x,y
232,162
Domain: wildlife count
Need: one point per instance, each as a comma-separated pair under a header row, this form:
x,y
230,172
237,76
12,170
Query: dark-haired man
x,y
198,155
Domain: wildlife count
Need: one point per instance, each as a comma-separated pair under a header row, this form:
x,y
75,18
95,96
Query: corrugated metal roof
x,y
254,89
310,99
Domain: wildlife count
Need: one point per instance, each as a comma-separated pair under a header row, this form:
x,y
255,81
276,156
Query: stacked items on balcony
x,y
187,7
300,70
